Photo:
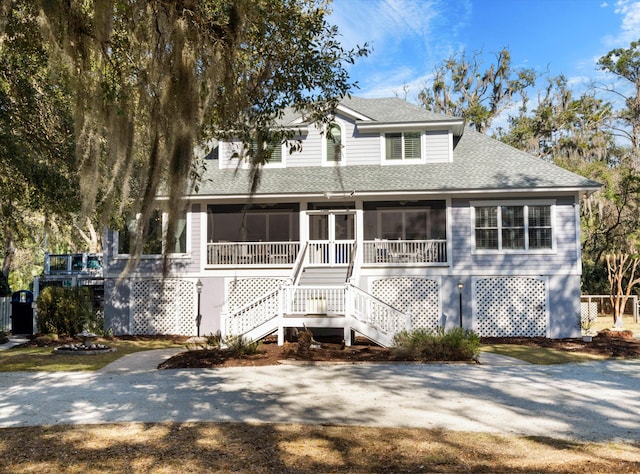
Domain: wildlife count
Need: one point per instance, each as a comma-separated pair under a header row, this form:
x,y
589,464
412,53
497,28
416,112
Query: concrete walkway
x,y
13,341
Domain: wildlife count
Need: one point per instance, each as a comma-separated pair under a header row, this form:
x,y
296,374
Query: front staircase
x,y
318,297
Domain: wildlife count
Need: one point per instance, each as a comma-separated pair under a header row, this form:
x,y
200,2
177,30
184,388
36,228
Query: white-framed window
x,y
333,145
274,157
513,226
402,146
156,239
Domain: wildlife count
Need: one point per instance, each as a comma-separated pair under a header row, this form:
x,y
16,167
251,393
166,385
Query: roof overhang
x,y
456,126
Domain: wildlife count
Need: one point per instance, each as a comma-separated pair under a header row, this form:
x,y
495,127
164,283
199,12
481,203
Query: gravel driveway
x,y
596,401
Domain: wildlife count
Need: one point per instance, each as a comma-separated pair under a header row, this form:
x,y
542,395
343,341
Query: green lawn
x,y
605,321
43,358
539,355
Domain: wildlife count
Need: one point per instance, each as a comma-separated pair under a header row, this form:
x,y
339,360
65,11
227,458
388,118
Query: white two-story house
x,y
392,217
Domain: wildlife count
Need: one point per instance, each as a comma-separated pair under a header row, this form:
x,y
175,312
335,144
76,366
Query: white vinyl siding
x,y
438,147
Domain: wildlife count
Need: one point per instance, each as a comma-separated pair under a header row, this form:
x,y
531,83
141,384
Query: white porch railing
x,y
252,253
405,251
330,253
327,253
253,315
356,309
368,309
5,314
301,300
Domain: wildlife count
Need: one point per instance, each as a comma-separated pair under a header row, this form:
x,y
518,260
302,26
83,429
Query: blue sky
x,y
410,37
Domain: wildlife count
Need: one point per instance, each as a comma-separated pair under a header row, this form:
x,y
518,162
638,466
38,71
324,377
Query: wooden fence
x,y
601,304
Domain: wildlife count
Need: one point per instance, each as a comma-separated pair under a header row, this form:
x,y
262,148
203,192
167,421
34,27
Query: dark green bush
x,y
438,345
4,286
64,311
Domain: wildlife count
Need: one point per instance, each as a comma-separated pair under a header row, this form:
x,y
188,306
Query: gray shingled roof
x,y
393,109
479,164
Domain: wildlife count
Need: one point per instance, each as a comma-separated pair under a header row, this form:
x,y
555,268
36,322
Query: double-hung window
x,y
401,146
513,227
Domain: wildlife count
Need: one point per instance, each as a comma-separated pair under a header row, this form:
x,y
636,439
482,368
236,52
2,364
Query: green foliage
x,y
237,346
5,290
151,81
240,346
438,345
65,311
4,337
461,87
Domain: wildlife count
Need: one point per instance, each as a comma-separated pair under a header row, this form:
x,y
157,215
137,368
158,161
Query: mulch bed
x,y
269,353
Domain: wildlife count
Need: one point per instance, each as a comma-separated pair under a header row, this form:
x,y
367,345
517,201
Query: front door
x,y
331,237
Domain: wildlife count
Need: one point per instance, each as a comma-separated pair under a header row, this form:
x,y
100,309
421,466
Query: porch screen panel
x,y
319,227
226,227
345,226
280,227
391,224
256,227
415,223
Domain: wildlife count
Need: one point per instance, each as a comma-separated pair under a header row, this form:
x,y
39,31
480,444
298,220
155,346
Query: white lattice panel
x,y
510,307
241,292
418,296
163,307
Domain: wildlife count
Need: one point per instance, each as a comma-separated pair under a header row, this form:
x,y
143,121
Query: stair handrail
x,y
390,322
298,265
352,261
235,316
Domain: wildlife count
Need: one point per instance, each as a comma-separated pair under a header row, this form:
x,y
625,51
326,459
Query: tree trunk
x,y
621,267
7,260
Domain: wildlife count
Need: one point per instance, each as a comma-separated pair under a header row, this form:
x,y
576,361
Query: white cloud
x,y
630,26
407,38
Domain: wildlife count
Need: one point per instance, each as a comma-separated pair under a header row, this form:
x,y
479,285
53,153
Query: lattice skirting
x,y
510,307
241,292
163,307
418,296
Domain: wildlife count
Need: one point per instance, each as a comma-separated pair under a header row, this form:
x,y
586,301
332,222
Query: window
x,y
513,227
156,228
334,143
403,146
272,151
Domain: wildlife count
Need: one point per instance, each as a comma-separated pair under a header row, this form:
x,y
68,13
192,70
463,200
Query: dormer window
x,y
272,152
401,146
334,143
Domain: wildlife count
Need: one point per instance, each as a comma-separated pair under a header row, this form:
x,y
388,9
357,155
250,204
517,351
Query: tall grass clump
x,y
439,345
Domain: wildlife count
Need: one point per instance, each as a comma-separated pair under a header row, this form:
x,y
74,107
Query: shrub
x,y
239,346
5,290
438,345
64,311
